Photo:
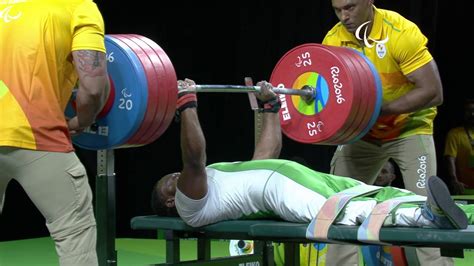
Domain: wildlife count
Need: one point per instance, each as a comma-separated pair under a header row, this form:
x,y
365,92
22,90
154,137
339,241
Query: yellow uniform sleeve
x,y
88,28
411,51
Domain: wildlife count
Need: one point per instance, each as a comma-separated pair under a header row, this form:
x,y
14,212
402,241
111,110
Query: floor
x,y
130,252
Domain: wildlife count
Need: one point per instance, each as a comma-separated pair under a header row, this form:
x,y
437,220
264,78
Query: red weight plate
x,y
159,109
319,67
360,90
152,82
167,78
171,85
370,100
355,118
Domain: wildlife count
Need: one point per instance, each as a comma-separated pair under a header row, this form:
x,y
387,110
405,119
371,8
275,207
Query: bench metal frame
x,y
265,232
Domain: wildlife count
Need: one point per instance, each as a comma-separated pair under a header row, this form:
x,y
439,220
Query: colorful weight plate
x,y
319,67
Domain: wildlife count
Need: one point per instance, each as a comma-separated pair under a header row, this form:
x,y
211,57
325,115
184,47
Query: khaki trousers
x,y
58,185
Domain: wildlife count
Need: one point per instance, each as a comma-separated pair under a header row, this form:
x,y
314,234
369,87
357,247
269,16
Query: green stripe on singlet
x,y
324,184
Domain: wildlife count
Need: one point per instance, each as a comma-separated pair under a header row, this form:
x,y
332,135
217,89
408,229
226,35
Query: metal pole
x,y
105,208
305,91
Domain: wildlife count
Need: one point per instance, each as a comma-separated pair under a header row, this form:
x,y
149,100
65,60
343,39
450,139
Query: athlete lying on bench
x,y
266,187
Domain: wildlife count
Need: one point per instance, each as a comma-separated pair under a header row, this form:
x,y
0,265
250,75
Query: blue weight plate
x,y
130,103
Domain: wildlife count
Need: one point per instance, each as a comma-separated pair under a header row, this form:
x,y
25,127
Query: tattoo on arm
x,y
91,63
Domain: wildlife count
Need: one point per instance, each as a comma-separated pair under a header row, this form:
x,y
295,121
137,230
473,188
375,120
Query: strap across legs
x,y
319,227
369,230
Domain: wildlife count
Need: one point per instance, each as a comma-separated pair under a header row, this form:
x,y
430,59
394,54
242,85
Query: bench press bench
x,y
265,232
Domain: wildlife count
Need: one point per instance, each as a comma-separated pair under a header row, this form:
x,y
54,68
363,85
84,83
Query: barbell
x,y
330,95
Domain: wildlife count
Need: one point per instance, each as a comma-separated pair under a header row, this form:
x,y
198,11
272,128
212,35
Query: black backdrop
x,y
221,42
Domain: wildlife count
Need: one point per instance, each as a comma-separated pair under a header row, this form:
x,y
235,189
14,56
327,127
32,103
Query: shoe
x,y
440,208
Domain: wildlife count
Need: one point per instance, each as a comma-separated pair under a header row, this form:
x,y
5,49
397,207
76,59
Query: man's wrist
x,y
185,100
270,106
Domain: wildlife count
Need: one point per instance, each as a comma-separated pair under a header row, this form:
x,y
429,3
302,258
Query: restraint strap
x,y
369,230
318,229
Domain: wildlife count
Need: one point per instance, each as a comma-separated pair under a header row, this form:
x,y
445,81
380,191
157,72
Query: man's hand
x,y
266,91
186,85
268,101
73,126
186,96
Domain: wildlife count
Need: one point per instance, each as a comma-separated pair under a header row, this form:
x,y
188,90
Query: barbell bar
x,y
329,96
304,92
307,93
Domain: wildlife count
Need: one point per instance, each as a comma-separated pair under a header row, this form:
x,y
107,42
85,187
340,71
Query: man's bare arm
x,y
94,87
193,179
428,92
270,142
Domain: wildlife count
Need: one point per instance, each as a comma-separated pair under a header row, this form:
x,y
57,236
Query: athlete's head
x,y
162,196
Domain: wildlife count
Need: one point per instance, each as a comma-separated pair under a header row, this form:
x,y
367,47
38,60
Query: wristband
x,y
185,100
270,106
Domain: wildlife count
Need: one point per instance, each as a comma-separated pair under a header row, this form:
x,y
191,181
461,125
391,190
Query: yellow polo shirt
x,y
36,68
459,147
403,52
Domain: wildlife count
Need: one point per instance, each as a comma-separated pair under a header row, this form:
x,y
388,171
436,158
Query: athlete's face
x,y
352,13
167,186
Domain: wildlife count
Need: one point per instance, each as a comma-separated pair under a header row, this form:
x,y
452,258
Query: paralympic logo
x,y
380,48
5,15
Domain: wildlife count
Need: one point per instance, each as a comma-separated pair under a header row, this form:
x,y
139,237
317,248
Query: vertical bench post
x,y
105,208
